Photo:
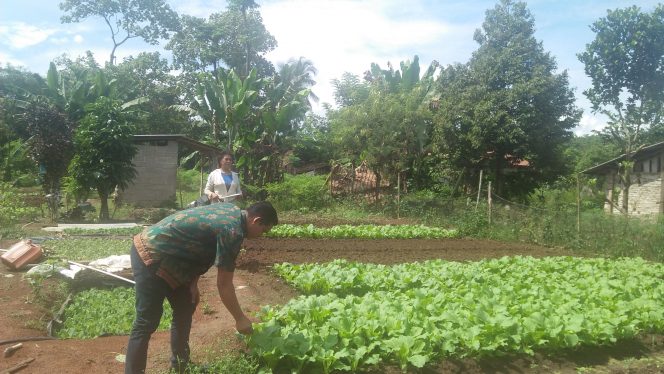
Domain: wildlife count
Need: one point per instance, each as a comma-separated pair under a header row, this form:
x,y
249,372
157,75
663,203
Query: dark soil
x,y
213,330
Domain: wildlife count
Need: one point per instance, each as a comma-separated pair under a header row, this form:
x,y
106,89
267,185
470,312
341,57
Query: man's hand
x,y
243,326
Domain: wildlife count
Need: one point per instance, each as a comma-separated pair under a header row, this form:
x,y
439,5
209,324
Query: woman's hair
x,y
265,211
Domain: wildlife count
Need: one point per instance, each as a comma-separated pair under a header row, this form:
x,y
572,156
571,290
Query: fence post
x,y
479,190
489,201
200,185
399,194
578,206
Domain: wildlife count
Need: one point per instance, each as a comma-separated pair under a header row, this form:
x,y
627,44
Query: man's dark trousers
x,y
151,290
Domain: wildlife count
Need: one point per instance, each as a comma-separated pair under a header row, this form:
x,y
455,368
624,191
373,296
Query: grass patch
x,y
80,249
121,231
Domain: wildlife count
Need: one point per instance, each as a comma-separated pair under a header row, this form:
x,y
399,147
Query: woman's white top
x,y
216,184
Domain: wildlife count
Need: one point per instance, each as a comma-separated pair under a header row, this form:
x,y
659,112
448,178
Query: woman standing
x,y
223,184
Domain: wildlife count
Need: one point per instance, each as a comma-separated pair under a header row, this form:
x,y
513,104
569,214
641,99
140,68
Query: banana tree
x,y
288,98
69,94
224,102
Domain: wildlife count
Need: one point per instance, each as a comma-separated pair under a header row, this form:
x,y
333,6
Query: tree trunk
x,y
497,181
103,210
377,191
628,165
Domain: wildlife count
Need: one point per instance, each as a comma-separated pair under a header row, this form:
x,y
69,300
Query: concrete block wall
x,y
156,174
646,194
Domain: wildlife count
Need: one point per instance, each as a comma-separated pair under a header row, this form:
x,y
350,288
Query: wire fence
x,y
580,225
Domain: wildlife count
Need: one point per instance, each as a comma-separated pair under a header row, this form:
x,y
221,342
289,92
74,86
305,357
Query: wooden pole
x,y
19,366
578,206
479,190
398,194
489,200
103,272
200,187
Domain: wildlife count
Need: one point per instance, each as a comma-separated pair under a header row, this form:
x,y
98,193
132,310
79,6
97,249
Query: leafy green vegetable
x,y
357,315
96,312
361,232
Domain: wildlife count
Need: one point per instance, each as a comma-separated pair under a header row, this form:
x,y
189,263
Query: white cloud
x,y
589,123
21,35
199,8
9,59
346,36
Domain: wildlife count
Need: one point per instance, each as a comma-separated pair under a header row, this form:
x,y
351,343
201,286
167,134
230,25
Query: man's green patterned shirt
x,y
187,243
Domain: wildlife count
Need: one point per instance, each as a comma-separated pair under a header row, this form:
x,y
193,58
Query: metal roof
x,y
180,138
642,153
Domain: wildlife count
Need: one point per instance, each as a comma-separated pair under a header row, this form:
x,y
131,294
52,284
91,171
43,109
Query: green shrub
x,y
13,208
151,215
299,192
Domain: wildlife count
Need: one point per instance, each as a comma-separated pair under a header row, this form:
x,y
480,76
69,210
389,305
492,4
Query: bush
x,y
13,208
151,215
299,192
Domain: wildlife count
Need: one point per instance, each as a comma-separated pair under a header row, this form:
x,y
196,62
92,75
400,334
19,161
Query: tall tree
x,y
50,146
507,104
243,6
104,150
148,76
390,129
150,20
233,39
16,85
626,65
349,90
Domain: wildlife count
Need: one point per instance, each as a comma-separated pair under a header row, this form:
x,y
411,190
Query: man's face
x,y
255,227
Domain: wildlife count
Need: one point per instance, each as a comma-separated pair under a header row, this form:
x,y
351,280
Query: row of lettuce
x,y
357,316
311,231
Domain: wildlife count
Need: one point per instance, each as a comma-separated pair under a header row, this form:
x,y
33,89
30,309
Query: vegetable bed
x,y
355,316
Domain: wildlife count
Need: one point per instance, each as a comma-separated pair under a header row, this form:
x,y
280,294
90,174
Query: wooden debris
x,y
18,366
26,339
11,349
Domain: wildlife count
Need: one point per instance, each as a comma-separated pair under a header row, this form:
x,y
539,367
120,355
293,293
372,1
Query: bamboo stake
x,y
489,201
399,194
578,206
479,190
102,271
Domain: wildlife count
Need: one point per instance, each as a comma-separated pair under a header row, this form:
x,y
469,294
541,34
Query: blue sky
x,y
337,35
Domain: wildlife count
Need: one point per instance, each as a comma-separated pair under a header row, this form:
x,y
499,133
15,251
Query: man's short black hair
x,y
265,211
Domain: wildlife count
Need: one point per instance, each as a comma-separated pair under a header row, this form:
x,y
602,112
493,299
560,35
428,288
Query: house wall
x,y
156,174
608,192
646,194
